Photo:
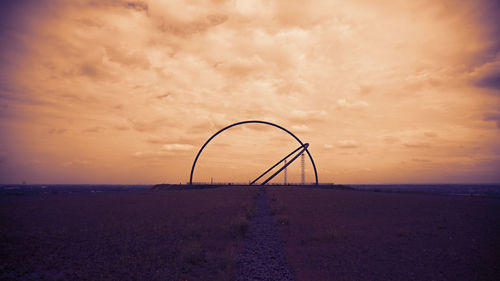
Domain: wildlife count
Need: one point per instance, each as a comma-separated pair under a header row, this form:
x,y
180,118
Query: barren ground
x,y
357,235
161,235
199,234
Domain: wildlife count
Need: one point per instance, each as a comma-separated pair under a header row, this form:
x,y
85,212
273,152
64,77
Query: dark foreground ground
x,y
199,234
361,235
141,235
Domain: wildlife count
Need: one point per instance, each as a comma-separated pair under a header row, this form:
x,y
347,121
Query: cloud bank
x,y
146,82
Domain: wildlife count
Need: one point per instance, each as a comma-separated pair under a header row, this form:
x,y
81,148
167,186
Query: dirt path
x,y
262,257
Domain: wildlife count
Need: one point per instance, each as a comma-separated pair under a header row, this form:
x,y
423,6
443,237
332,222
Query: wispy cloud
x,y
308,116
177,147
488,74
416,144
301,128
343,103
348,144
493,117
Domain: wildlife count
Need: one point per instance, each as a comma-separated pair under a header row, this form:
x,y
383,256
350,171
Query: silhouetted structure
x,y
302,164
284,178
304,146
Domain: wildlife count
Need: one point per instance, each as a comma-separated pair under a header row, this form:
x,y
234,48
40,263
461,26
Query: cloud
x,y
174,72
343,103
419,160
78,162
488,74
416,144
57,131
166,151
193,20
177,147
146,125
163,96
348,144
126,57
93,129
121,127
364,89
391,139
487,15
137,5
492,117
300,128
308,116
152,154
242,67
490,80
430,134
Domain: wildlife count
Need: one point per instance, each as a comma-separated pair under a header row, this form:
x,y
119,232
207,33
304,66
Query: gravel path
x,y
262,257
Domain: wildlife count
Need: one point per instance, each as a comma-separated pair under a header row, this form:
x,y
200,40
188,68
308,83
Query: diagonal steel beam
x,y
287,164
291,153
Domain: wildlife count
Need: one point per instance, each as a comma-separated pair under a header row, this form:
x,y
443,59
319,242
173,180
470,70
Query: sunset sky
x,y
126,92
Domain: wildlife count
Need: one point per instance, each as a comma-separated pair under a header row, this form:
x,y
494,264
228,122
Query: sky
x,y
126,92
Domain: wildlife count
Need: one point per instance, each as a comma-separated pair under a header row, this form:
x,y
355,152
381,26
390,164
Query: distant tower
x,y
302,162
285,173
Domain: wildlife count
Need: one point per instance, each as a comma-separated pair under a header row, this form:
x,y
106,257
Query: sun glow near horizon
x,y
128,91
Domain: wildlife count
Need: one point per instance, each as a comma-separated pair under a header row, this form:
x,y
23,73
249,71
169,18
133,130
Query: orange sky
x,y
118,91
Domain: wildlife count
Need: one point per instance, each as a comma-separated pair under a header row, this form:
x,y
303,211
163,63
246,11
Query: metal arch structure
x,y
286,165
255,122
303,147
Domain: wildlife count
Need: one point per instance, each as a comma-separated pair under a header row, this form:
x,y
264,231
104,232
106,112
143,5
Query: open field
x,y
139,235
362,235
199,234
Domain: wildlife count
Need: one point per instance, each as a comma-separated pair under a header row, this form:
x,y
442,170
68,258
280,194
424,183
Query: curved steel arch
x,y
247,122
